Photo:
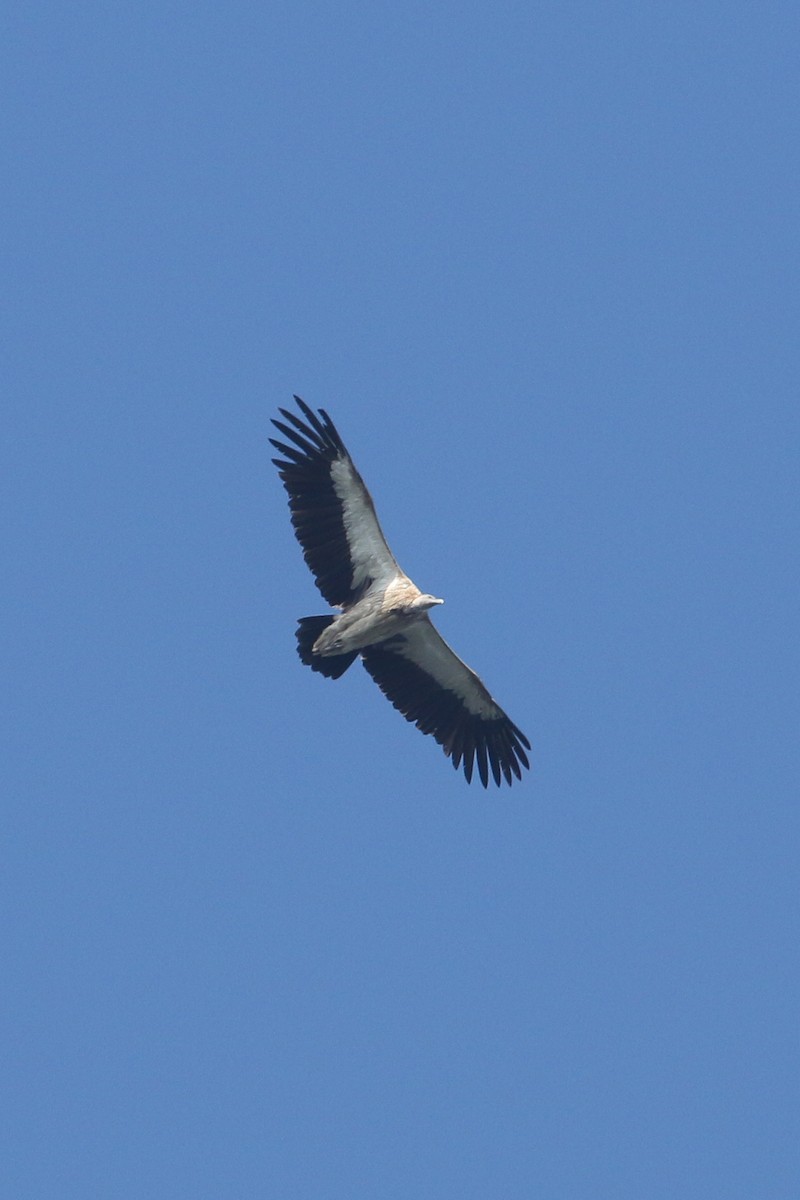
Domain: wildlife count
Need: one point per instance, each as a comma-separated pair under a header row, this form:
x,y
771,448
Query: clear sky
x,y
540,263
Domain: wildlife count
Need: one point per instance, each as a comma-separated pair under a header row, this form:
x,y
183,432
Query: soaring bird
x,y
384,616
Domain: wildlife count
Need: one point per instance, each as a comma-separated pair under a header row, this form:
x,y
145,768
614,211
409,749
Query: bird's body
x,y
384,616
377,616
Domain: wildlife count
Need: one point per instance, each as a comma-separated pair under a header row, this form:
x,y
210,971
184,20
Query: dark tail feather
x,y
308,630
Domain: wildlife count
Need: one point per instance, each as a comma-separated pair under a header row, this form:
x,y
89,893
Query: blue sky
x,y
539,262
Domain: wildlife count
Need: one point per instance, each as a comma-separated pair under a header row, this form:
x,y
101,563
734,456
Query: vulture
x,y
383,616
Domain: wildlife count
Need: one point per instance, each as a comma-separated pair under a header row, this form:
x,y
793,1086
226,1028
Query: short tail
x,y
308,630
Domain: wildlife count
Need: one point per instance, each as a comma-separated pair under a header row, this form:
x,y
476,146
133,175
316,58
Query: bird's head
x,y
424,602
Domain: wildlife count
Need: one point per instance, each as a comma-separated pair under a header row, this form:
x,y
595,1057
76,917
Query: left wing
x,y
430,685
332,511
